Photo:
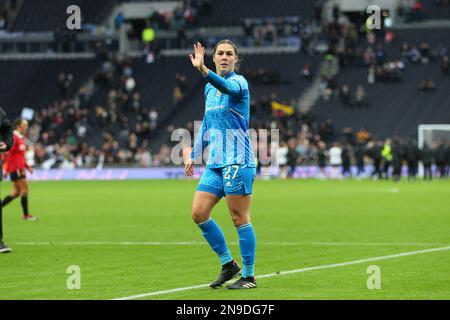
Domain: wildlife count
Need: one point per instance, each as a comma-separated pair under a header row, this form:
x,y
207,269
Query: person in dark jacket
x,y
412,159
427,159
6,142
322,155
386,154
397,155
374,153
360,152
447,156
346,161
440,159
292,157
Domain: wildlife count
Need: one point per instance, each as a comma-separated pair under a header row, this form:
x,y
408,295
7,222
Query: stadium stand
x,y
412,11
238,10
7,11
117,108
50,15
385,116
34,83
284,79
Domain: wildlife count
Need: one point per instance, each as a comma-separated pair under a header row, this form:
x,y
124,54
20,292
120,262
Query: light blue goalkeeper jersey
x,y
225,126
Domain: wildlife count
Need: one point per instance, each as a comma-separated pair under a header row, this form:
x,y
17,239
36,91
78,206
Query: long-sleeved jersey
x,y
225,126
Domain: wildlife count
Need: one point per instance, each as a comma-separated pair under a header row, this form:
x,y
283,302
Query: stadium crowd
x,y
182,18
7,8
352,47
414,10
386,158
75,132
61,136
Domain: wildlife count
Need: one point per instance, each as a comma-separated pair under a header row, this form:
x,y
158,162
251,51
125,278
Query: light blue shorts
x,y
228,181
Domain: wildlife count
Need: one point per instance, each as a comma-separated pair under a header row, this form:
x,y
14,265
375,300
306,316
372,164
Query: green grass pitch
x,y
137,237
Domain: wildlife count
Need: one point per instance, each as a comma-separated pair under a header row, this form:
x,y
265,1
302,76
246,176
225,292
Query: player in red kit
x,y
16,166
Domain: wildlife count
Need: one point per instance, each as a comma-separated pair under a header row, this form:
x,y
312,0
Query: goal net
x,y
433,134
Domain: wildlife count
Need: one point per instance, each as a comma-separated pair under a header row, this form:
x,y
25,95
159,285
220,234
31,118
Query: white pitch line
x,y
400,244
197,243
158,293
108,243
327,266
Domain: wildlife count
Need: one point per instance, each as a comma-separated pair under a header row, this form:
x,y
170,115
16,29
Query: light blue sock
x,y
214,235
247,243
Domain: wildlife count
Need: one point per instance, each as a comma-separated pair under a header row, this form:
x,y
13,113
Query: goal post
x,y
433,134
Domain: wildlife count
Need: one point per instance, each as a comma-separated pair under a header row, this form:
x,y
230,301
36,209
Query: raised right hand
x,y
198,59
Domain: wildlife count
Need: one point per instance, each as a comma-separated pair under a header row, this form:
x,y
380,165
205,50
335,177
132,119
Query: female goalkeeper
x,y
230,167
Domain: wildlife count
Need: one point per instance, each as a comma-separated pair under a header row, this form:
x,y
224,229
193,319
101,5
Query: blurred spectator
x,y
318,7
426,156
335,159
380,54
346,161
7,8
182,38
344,95
65,82
371,75
369,56
414,55
374,149
119,20
397,161
360,152
362,136
445,65
427,85
293,158
360,97
386,154
181,82
148,35
322,155
153,115
411,10
441,158
306,71
417,11
425,52
411,154
282,159
143,157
